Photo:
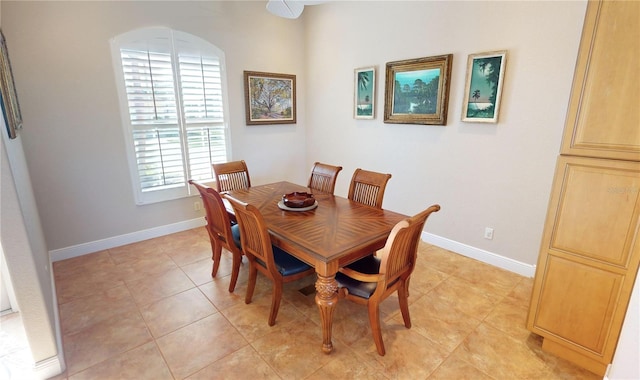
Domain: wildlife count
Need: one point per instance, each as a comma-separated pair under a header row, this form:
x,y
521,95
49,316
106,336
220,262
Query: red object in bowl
x,y
298,199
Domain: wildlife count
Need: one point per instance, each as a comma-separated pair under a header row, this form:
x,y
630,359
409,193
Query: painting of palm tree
x,y
485,73
365,93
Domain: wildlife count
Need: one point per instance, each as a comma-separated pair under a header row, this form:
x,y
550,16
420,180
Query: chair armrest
x,y
361,276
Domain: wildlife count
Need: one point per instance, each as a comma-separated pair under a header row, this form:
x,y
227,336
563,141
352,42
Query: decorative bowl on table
x,y
298,199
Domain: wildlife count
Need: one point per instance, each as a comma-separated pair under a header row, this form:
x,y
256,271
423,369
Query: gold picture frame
x,y
417,90
269,98
9,103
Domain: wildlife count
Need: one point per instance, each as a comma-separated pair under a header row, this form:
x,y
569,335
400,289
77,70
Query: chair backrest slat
x,y
232,175
323,177
254,235
368,187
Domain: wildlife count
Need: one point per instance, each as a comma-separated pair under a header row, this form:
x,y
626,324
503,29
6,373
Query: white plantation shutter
x,y
175,120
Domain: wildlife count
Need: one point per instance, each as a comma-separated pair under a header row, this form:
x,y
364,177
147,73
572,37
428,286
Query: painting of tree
x,y
270,98
417,90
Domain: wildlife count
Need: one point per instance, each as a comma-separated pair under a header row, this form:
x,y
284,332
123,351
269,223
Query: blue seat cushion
x,y
235,232
288,265
367,265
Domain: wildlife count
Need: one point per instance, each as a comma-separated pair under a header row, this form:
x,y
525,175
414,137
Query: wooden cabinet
x,y
590,249
588,260
603,119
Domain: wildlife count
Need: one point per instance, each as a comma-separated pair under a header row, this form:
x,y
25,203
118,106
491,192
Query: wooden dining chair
x,y
323,177
374,278
279,266
232,175
368,187
221,233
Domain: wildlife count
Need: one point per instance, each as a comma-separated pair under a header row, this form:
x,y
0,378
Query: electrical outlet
x,y
197,206
488,233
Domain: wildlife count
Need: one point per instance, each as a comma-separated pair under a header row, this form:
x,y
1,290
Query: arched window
x,y
172,89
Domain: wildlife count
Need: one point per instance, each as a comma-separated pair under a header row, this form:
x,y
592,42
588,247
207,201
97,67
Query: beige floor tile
x,y
217,291
82,285
350,323
463,296
189,251
409,355
86,264
502,356
171,313
104,340
346,365
424,278
141,267
443,260
136,251
510,316
86,311
440,322
252,319
200,271
295,352
155,287
183,237
144,362
559,368
522,291
106,336
454,368
243,364
207,340
488,277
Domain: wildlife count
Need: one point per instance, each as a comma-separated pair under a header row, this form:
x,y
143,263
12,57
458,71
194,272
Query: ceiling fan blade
x,y
285,8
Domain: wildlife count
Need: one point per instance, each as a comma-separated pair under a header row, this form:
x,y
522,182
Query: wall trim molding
x,y
491,258
48,368
117,241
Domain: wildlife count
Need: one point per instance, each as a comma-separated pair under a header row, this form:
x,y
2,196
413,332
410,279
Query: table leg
x,y
326,299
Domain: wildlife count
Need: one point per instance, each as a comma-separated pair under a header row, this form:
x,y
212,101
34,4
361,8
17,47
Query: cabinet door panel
x,y
577,302
597,208
603,115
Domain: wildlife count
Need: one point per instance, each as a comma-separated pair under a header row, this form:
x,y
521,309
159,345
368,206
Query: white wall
x,y
72,133
27,258
483,175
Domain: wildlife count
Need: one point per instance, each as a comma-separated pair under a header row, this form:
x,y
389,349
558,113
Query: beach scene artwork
x,y
365,93
484,88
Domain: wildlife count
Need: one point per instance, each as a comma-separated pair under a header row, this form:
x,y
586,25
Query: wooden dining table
x,y
336,233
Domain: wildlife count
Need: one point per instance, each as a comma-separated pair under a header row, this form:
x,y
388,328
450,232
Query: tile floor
x,y
151,310
15,356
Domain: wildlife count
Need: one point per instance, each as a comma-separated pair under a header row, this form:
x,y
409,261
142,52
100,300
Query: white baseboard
x,y
117,241
491,258
48,368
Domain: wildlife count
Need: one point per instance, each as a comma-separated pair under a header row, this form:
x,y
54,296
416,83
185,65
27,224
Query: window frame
x,y
173,42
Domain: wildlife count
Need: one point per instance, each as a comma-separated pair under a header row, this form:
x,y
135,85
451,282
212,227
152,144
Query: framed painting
x,y
417,90
9,103
365,93
483,86
270,98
